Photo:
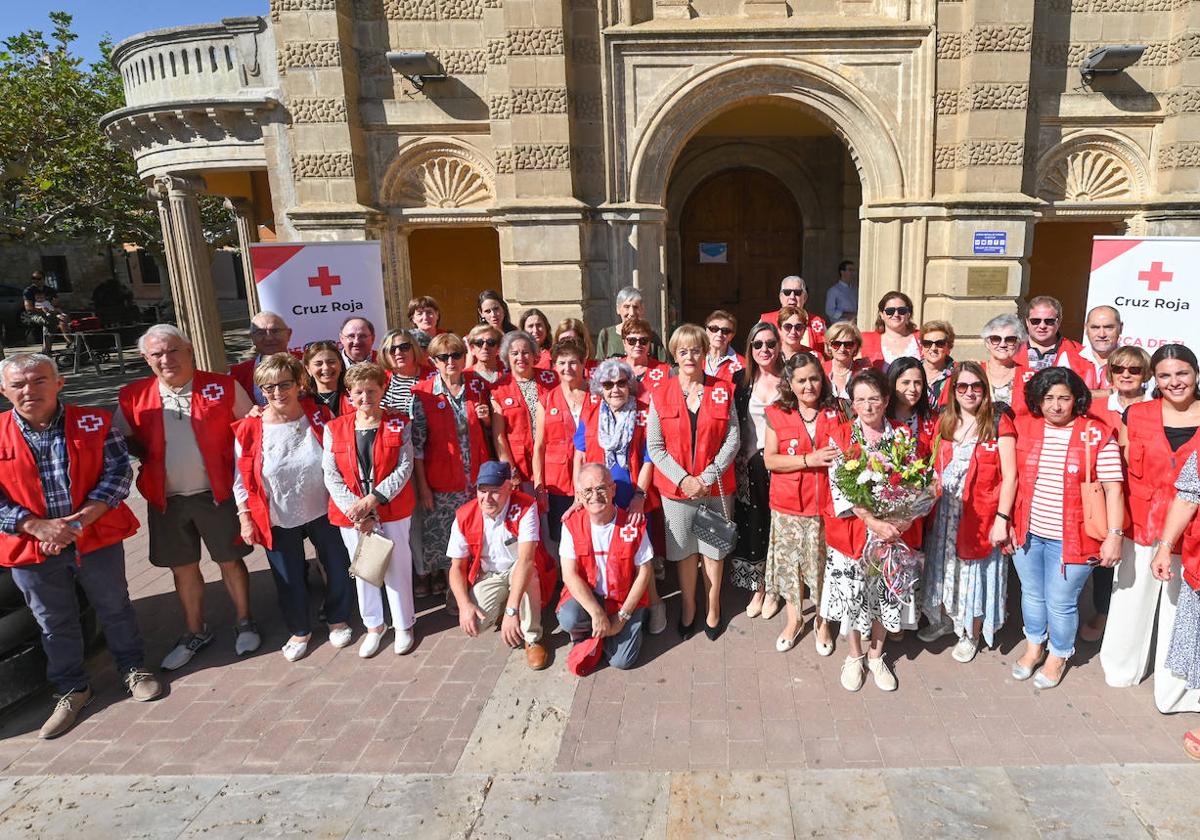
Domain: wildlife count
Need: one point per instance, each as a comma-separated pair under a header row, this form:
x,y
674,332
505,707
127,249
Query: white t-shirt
x,y
496,556
602,536
1046,508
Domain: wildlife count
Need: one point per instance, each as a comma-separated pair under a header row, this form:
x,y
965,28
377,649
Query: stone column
x,y
397,273
196,304
247,232
637,257
158,194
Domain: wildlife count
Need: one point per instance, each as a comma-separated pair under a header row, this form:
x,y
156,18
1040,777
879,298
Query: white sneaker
x,y
294,650
370,644
965,650
853,674
885,680
658,618
341,637
933,632
188,646
248,638
404,641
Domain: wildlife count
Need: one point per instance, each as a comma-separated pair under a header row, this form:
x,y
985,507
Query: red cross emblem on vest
x,y
547,377
1027,375
317,420
212,391
628,533
1091,437
817,326
643,417
89,422
656,374
720,396
736,366
988,446
395,424
476,386
514,513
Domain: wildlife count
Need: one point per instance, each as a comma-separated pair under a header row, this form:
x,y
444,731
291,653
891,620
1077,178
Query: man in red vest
x,y
492,546
62,522
606,570
179,422
270,335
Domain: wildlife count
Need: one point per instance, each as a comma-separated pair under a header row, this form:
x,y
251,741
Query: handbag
x,y
371,558
1095,509
715,528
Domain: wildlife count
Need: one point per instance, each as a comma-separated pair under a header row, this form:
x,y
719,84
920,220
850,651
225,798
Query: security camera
x,y
417,67
1108,61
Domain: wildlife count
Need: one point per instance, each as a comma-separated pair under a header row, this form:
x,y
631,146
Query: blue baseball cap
x,y
493,474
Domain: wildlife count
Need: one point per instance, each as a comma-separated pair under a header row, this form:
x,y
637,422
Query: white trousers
x,y
397,580
1132,628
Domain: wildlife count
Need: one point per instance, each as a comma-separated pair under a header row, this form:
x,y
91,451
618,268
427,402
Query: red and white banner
x,y
1154,283
315,286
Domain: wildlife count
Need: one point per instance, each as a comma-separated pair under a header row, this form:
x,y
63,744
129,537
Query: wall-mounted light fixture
x,y
1108,61
417,67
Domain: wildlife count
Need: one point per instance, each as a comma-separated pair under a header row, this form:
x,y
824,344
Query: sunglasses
x,y
791,292
400,348
445,358
620,383
968,387
927,343
714,329
759,345
637,340
794,327
1049,322
484,342
842,345
1006,340
896,310
1136,370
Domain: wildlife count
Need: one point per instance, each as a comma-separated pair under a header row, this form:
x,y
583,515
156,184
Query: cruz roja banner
x,y
316,286
1154,282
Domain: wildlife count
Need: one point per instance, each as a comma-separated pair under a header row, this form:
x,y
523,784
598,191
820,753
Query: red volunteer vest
x,y
518,430
729,366
248,432
813,337
243,372
443,457
800,493
594,454
470,524
85,429
981,492
1077,545
711,426
1153,471
385,457
558,435
213,402
619,570
1068,357
872,347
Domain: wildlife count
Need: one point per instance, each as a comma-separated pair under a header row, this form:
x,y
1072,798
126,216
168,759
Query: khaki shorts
x,y
176,533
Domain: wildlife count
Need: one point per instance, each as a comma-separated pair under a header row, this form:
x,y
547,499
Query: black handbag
x,y
715,528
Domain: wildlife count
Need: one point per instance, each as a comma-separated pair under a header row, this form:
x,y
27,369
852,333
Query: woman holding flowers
x,y
966,570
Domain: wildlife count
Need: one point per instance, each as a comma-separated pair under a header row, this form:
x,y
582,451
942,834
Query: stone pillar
x,y
196,304
637,257
158,194
247,233
397,273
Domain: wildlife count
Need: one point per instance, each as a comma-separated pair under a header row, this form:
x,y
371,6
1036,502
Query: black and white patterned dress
x,y
1183,655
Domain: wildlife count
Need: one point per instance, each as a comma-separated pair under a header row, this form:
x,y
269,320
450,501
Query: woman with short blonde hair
x,y
482,345
400,354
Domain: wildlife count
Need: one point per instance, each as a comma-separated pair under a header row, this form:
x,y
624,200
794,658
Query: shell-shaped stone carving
x,y
1089,175
445,182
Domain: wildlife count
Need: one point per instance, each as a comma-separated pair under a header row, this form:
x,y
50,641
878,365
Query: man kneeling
x,y
492,546
606,570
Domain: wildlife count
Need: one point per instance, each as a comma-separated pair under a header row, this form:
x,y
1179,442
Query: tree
x,y
60,177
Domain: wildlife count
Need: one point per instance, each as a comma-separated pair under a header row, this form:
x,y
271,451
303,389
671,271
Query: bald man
x,y
1103,328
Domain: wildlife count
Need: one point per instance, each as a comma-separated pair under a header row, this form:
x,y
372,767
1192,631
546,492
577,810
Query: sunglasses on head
x,y
637,340
484,342
927,343
1006,340
770,344
1049,322
444,358
965,387
896,310
620,383
1136,370
714,329
842,345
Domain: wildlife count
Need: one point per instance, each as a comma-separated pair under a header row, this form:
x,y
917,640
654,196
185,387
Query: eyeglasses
x,y
1006,340
445,358
1136,370
714,329
896,310
842,345
620,383
400,348
759,345
927,343
268,330
1037,322
600,491
963,387
794,327
637,340
867,400
484,342
272,387
791,292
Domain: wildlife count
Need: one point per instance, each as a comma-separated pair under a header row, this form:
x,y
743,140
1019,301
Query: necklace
x,y
813,419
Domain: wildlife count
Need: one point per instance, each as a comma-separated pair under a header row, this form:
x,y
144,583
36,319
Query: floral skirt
x,y
1183,655
435,528
752,515
796,557
855,600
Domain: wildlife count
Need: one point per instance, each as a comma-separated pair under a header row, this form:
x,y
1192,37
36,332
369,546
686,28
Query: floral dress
x,y
435,524
1183,655
965,589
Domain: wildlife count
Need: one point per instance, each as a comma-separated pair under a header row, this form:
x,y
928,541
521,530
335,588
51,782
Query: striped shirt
x,y
1046,510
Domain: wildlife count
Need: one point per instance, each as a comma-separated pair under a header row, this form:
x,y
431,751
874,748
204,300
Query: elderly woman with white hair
x,y
629,307
514,405
1001,337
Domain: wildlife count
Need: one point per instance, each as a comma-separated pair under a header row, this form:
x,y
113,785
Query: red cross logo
x,y
547,377
476,386
628,533
736,366
656,374
89,422
212,391
643,416
324,281
1155,277
395,425
1092,436
514,513
316,420
988,446
720,396
817,326
1027,375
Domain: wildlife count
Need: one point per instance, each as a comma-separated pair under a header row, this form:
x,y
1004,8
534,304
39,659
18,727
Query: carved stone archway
x,y
1090,168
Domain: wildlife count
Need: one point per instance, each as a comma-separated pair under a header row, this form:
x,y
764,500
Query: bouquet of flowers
x,y
890,479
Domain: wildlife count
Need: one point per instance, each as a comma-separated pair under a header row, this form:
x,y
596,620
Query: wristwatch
x,y
1120,532
511,612
624,616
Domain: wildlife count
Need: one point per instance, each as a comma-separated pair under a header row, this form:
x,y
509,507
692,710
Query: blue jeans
x,y
290,570
49,590
1049,594
621,650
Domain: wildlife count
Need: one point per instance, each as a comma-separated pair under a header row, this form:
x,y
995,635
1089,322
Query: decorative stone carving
x,y
949,45
500,106
410,9
542,155
997,97
1088,175
1183,155
303,5
497,50
1183,101
460,9
991,153
317,110
548,100
945,157
324,165
535,41
310,54
444,181
1001,38
464,62
505,161
1185,46
945,103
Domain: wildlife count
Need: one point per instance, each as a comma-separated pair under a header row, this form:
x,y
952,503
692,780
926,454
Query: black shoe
x,y
713,633
686,631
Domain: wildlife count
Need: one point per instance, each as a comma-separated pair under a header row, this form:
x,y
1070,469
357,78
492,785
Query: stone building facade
x,y
576,146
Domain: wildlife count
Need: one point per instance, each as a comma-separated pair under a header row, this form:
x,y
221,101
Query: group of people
x,y
503,462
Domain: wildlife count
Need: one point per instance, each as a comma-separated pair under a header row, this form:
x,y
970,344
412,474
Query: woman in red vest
x,y
555,422
1059,448
535,322
483,342
452,418
804,414
368,461
281,498
1182,659
1001,337
692,432
722,360
401,356
1160,436
514,403
842,344
894,335
323,370
638,337
963,583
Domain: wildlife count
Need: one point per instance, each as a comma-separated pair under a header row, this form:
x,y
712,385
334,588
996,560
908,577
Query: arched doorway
x,y
740,233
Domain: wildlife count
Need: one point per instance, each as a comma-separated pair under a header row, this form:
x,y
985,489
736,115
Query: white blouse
x,y
291,466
